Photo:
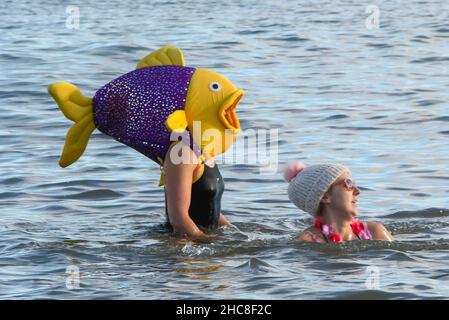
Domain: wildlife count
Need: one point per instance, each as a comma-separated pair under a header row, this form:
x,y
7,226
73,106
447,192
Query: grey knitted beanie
x,y
308,184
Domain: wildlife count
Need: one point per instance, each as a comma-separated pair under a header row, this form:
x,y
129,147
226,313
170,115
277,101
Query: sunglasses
x,y
348,184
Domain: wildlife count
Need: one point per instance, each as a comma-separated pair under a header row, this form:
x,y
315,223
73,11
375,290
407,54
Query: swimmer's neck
x,y
210,162
340,223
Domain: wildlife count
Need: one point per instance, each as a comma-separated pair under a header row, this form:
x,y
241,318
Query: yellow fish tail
x,y
77,108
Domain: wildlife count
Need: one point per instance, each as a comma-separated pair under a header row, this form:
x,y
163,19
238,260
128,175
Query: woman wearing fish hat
x,y
169,113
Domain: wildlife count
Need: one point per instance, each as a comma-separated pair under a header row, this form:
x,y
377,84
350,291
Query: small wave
x,y
9,195
424,103
291,39
422,37
25,59
107,50
443,118
415,227
427,213
420,194
52,208
245,32
325,21
255,265
72,242
399,189
430,245
358,128
274,25
207,269
336,117
192,249
80,183
11,181
434,177
23,94
319,49
362,246
380,45
101,194
430,59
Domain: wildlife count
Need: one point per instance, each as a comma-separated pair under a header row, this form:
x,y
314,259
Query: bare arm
x,y
379,232
305,236
222,221
178,188
310,236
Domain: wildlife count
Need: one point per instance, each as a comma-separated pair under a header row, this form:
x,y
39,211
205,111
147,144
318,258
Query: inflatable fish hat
x,y
143,107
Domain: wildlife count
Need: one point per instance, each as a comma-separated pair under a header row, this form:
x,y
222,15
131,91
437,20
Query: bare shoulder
x,y
311,234
180,156
375,226
378,231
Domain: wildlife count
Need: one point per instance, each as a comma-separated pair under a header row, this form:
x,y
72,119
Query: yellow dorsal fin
x,y
165,56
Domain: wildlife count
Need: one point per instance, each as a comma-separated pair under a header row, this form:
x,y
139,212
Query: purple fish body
x,y
134,107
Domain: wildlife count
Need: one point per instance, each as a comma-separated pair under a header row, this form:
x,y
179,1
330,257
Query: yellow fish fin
x,y
177,121
162,178
165,56
77,108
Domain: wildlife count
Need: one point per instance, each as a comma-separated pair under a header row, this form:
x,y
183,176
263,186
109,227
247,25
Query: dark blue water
x,y
374,99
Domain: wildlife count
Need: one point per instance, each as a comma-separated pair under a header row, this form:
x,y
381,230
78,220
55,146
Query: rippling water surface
x,y
372,99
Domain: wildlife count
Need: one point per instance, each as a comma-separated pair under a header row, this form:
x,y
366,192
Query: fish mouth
x,y
227,114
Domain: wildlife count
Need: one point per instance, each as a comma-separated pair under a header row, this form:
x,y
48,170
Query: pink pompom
x,y
292,170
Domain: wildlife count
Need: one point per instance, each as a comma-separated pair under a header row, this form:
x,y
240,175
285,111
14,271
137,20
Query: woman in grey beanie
x,y
329,194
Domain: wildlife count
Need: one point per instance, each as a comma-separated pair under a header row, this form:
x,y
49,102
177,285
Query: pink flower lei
x,y
358,227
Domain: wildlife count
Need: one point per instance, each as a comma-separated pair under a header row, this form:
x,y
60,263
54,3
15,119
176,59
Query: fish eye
x,y
215,86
